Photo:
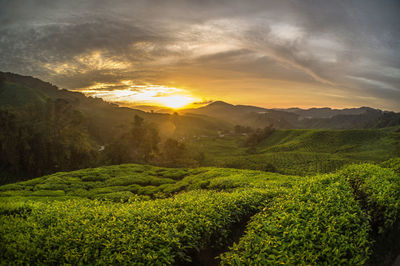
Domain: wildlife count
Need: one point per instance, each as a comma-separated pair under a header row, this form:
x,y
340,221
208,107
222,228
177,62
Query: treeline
x,y
253,136
142,144
44,138
258,136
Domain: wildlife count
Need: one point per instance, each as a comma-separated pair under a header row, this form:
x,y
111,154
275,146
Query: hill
x,y
301,151
137,214
105,120
318,118
121,182
44,129
327,112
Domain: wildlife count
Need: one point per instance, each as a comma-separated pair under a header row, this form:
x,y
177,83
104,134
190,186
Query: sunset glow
x,y
142,95
273,54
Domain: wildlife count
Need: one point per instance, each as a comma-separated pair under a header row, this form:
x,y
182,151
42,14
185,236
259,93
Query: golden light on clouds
x,y
142,95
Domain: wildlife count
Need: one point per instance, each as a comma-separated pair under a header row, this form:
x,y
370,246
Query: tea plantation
x,y
146,215
301,151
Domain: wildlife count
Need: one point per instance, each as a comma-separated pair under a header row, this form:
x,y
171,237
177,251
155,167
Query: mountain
x,y
326,112
152,108
313,118
105,120
247,115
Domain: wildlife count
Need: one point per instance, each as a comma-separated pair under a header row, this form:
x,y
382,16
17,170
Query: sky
x,y
273,54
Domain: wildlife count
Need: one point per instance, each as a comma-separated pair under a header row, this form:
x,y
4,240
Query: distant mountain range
x,y
107,119
253,116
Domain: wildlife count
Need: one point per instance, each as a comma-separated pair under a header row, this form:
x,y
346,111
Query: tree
x,y
173,150
258,136
238,129
139,144
176,154
44,138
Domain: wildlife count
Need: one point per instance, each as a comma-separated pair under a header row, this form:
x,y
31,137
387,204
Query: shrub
x,y
393,163
315,223
378,191
163,231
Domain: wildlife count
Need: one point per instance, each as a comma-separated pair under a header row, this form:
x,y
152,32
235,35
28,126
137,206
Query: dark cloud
x,y
331,49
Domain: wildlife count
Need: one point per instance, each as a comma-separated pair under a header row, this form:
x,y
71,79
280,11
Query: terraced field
x,y
302,152
137,214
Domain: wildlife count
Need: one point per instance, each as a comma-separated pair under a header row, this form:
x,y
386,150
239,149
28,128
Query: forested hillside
x,y
44,129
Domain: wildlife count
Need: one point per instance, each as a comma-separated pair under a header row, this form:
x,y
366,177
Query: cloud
x,y
323,49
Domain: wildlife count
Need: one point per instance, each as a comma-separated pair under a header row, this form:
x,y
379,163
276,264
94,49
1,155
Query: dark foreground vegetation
x,y
49,137
136,214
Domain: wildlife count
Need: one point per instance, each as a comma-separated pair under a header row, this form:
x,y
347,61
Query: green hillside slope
x,y
127,180
302,152
13,94
106,216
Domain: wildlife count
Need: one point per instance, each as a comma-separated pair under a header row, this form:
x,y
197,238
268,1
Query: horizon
x,y
183,54
194,105
198,105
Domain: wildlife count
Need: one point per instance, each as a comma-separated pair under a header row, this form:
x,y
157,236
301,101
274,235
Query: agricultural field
x,y
122,182
147,215
302,151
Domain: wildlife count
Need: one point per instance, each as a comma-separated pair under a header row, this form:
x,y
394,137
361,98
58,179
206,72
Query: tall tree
x,y
139,144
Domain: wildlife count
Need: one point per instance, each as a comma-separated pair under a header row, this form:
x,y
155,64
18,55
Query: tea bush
x,y
317,223
163,231
378,190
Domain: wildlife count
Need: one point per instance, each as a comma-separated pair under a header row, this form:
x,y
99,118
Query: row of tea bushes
x,y
317,223
163,231
378,191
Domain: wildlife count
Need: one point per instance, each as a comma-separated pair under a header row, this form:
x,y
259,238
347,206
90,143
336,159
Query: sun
x,y
176,101
157,95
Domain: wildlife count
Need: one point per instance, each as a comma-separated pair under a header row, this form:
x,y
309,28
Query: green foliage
x,y
129,214
175,174
291,163
239,130
163,231
315,223
138,144
175,154
137,179
12,208
120,196
301,152
378,190
44,138
393,163
258,136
